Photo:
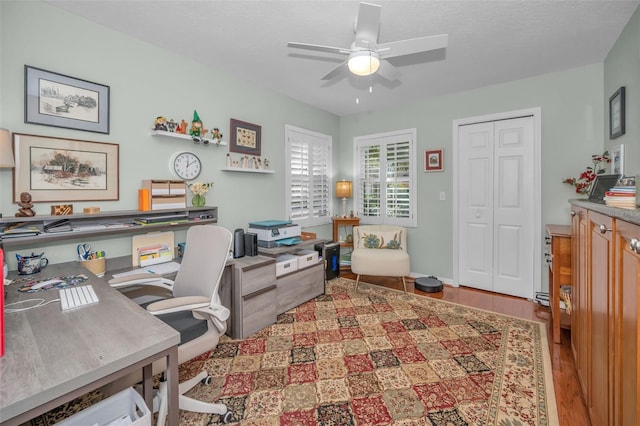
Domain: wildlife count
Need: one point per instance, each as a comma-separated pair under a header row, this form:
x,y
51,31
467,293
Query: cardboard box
x,y
306,258
286,264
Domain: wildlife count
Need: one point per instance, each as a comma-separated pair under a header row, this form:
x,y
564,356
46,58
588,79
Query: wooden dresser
x,y
605,321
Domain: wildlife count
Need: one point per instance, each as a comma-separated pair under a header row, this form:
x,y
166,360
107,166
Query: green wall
x,y
145,82
622,68
572,109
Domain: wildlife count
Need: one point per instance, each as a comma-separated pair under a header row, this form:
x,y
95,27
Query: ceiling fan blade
x,y
336,71
388,71
319,48
367,25
414,45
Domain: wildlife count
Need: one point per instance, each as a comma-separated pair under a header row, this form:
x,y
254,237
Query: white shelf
x,y
247,170
185,136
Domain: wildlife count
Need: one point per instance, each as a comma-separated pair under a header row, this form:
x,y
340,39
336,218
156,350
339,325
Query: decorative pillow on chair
x,y
383,240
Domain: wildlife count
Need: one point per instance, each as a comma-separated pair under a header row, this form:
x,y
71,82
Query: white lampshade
x,y
363,62
6,153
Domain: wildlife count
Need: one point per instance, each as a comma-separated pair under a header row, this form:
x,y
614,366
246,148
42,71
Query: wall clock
x,y
186,165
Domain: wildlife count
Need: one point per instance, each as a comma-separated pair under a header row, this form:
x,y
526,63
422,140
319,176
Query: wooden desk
x,y
53,356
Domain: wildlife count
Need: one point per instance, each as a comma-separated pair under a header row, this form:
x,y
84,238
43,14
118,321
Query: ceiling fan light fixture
x,y
363,62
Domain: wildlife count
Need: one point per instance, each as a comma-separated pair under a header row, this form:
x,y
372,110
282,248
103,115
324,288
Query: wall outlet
x,y
442,196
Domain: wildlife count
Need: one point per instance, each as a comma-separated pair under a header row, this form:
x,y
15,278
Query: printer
x,y
275,233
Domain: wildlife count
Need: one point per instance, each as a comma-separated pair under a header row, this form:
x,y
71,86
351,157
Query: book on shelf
x,y
170,218
16,230
62,225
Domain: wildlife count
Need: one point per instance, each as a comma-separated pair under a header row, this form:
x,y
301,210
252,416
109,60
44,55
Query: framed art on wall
x,y
245,138
617,160
56,169
616,114
57,100
433,160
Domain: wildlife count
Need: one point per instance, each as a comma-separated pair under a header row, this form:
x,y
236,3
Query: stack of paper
x,y
154,254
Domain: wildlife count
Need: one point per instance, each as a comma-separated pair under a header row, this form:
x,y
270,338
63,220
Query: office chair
x,y
195,310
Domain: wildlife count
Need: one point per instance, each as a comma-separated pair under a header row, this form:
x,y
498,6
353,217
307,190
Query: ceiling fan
x,y
366,56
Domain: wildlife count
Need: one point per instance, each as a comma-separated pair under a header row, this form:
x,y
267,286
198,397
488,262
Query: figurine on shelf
x,y
245,162
182,129
196,125
25,206
160,123
216,135
235,163
266,164
228,160
171,125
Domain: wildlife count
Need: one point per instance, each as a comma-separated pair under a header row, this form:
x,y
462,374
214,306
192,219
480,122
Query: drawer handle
x,y
573,213
604,229
259,292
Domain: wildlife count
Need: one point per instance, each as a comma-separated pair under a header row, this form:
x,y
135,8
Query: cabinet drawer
x,y
295,289
259,311
256,279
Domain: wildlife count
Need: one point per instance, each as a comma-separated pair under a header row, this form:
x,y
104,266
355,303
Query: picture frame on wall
x,y
617,114
433,160
617,160
58,100
245,138
57,169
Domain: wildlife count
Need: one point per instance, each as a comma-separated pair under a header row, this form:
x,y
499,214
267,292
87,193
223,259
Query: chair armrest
x,y
178,304
144,278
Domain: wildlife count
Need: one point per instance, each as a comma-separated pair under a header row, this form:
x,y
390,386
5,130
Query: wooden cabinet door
x,y
601,279
580,298
625,386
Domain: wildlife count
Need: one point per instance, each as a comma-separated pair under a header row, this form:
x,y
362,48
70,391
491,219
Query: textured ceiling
x,y
489,41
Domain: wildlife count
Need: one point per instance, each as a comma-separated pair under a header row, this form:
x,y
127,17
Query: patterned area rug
x,y
381,357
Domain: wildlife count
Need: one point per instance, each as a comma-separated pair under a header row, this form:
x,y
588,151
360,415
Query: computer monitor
x,y
600,187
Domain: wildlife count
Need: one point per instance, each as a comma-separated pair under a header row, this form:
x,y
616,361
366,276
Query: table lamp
x,y
344,191
6,153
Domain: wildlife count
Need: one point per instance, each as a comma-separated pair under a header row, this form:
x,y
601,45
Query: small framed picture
x,y
616,114
58,100
617,160
433,160
245,138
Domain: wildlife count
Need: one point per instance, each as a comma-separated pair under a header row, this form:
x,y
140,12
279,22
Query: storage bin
x,y
285,264
306,258
125,403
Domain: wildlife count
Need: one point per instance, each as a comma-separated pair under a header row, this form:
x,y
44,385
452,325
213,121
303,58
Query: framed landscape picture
x,y
245,138
56,169
57,100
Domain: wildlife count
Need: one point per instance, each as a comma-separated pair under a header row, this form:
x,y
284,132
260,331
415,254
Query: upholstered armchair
x,y
380,250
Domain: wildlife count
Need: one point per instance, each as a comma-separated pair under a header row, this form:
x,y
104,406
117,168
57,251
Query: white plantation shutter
x,y
386,178
308,163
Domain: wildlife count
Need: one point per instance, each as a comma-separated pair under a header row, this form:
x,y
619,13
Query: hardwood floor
x,y
571,407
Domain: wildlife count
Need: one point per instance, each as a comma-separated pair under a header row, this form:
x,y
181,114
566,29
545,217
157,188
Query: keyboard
x,y
75,297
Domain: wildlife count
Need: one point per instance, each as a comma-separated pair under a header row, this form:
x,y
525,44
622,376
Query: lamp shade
x,y
6,153
343,189
363,62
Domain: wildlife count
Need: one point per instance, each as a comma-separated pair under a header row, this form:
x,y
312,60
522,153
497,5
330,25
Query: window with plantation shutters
x,y
385,181
308,166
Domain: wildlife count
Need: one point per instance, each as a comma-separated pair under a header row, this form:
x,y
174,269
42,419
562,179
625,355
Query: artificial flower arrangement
x,y
199,190
584,181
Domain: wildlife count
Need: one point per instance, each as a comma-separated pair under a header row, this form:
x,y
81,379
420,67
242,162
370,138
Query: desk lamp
x,y
344,191
6,153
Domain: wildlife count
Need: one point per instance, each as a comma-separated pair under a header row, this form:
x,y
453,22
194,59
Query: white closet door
x,y
476,205
496,193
